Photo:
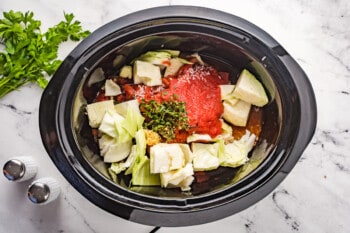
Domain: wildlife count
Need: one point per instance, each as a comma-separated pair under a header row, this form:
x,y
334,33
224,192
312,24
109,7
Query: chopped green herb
x,y
29,55
164,118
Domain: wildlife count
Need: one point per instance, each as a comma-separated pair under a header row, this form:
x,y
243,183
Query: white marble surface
x,y
313,198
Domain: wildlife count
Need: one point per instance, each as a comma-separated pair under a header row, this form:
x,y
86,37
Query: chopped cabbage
x,y
249,89
258,156
155,57
238,113
173,68
111,88
198,58
199,137
226,91
97,75
205,156
182,177
109,122
236,153
126,72
104,143
117,152
118,167
147,74
133,121
188,155
166,157
226,132
96,112
119,131
121,128
173,53
173,162
122,108
226,135
141,174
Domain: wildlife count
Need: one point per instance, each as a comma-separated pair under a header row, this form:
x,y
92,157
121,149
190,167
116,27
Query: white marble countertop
x,y
313,198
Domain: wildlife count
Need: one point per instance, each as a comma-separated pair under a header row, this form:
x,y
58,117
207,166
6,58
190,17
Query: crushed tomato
x,y
198,87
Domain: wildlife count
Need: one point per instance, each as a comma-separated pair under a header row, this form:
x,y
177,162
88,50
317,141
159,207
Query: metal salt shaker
x,y
20,168
43,190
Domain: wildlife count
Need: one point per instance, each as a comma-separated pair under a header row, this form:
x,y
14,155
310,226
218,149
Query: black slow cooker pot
x,y
229,42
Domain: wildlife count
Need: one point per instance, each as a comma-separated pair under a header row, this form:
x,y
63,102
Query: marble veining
x,y
15,110
79,214
313,198
290,220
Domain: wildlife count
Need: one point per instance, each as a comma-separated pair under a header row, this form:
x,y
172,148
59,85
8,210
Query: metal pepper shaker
x,y
20,168
43,190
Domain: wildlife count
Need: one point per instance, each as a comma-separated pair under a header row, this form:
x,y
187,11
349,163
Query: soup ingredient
x,y
96,76
121,130
166,157
239,98
108,122
172,52
199,137
165,117
182,178
227,91
140,169
198,58
174,66
249,89
30,55
231,100
173,162
96,112
235,154
226,135
126,72
111,88
156,57
205,156
161,57
226,132
152,138
237,113
147,73
117,152
104,142
121,127
259,154
122,108
198,87
141,173
118,167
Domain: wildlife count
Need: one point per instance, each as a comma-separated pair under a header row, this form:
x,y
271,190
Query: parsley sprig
x,y
27,54
164,118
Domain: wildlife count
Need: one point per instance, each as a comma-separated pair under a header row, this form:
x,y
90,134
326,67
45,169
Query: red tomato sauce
x,y
198,87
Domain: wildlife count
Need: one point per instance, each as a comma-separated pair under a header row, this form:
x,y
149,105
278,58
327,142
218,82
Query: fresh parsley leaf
x,y
27,54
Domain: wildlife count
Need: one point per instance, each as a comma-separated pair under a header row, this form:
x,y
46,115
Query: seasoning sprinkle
x,y
164,118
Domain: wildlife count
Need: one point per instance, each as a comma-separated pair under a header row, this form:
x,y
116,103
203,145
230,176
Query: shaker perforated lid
x,y
20,168
43,190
